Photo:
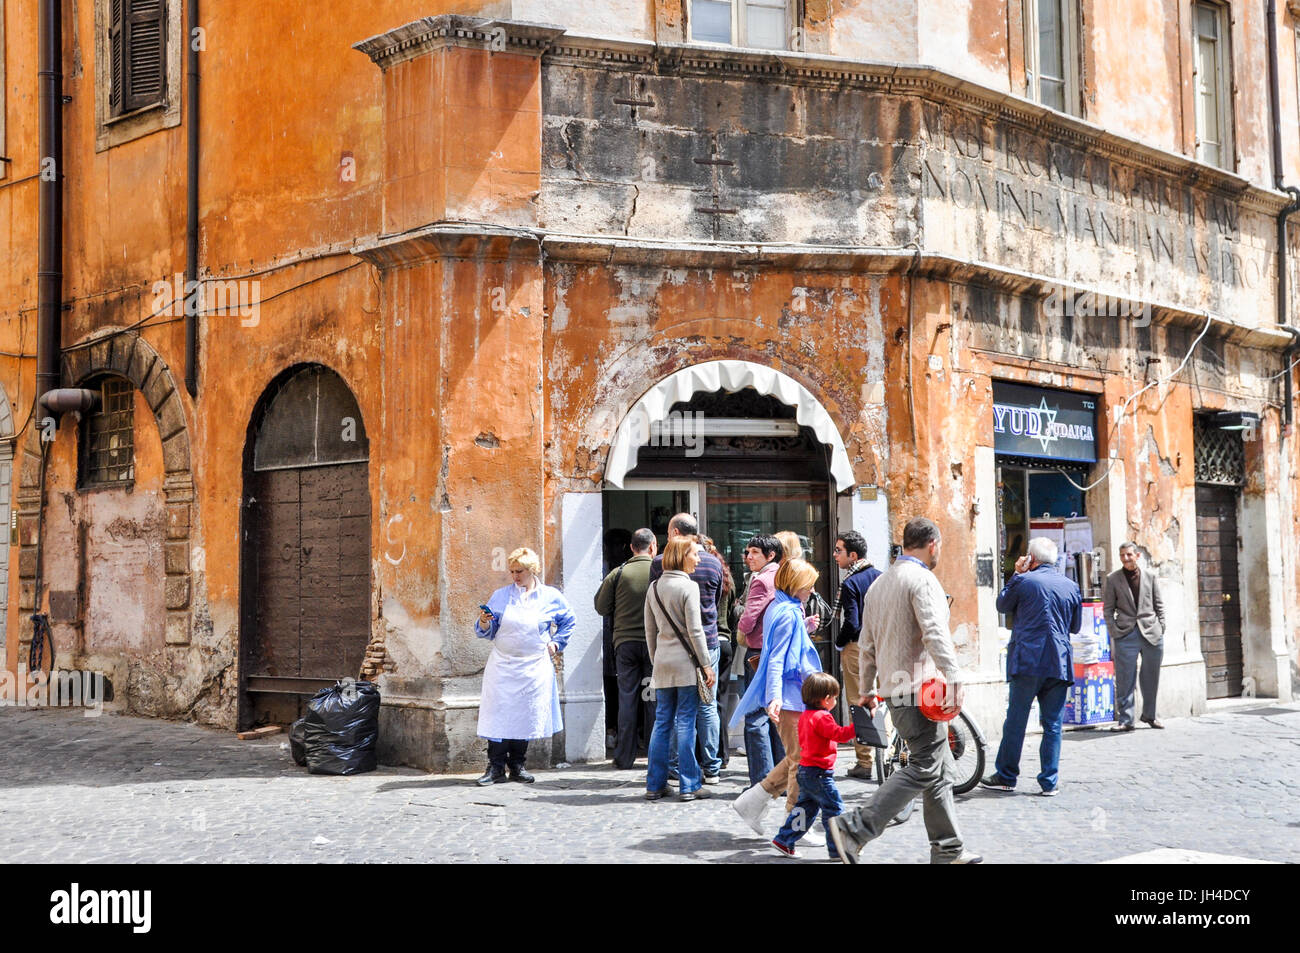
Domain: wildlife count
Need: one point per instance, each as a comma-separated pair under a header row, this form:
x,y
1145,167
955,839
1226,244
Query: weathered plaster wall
x,y
966,37
784,163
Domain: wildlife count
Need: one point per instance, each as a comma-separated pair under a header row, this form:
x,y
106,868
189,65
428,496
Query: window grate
x,y
1220,454
110,436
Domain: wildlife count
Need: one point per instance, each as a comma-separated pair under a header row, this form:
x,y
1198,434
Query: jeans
x,y
708,727
817,792
632,661
1051,694
763,747
928,772
1126,650
674,708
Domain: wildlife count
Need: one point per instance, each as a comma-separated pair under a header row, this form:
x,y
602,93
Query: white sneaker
x,y
711,779
752,805
966,857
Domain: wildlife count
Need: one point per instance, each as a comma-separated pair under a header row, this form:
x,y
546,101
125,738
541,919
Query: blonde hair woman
x,y
672,616
788,658
790,543
528,624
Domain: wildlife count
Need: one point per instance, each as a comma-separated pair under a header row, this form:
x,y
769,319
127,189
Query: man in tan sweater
x,y
904,642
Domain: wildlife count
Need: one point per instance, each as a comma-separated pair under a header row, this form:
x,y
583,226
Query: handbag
x,y
701,682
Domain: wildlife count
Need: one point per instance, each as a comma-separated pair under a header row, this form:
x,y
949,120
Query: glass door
x,y
644,503
737,512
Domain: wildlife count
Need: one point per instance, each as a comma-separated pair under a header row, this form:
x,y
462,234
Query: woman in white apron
x,y
529,625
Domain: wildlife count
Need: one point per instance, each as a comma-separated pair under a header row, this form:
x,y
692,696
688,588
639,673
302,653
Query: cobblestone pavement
x,y
122,789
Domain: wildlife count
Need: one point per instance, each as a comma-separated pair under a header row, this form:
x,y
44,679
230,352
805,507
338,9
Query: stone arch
x,y
729,375
126,354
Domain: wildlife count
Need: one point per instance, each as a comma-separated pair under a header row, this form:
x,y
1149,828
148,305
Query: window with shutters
x,y
756,24
1052,54
1212,84
138,61
137,42
108,436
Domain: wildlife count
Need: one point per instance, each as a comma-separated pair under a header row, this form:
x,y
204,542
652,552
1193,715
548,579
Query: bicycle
x,y
969,753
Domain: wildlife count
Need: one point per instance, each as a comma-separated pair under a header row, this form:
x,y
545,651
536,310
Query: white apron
x,y
520,697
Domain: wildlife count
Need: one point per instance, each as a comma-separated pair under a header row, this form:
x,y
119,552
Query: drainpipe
x,y
1274,98
49,268
190,291
49,276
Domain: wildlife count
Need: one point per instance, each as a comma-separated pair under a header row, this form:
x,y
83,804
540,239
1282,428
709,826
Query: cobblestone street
x,y
123,789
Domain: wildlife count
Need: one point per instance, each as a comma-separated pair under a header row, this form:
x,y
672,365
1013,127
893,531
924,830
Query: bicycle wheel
x,y
967,754
897,759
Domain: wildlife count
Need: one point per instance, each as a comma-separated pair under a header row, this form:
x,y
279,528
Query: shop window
x,y
108,437
1052,53
1212,85
758,24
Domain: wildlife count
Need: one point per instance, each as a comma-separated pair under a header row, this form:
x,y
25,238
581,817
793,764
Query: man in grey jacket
x,y
1135,619
905,641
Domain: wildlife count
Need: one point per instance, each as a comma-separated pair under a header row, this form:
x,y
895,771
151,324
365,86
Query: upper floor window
x,y
138,53
137,46
1052,53
759,24
108,436
1212,85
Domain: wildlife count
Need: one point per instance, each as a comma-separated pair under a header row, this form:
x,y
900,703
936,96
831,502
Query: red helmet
x,y
931,700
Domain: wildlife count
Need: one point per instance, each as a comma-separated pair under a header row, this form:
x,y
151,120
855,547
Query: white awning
x,y
634,430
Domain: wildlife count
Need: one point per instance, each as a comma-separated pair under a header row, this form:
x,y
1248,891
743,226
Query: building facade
x,y
536,273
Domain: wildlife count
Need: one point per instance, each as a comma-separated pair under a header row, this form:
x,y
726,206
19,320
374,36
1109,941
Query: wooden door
x,y
305,565
1220,605
309,538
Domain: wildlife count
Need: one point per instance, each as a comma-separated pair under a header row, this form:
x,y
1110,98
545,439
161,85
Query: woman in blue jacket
x,y
789,657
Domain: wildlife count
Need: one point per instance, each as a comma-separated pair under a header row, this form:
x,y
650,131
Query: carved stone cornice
x,y
925,82
427,34
458,240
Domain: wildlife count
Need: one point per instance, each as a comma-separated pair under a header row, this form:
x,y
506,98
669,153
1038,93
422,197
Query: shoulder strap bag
x,y
701,682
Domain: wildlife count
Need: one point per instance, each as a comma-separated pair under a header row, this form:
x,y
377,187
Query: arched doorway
x,y
747,449
305,544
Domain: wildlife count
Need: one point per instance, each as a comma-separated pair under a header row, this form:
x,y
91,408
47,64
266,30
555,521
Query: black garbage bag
x,y
341,727
297,739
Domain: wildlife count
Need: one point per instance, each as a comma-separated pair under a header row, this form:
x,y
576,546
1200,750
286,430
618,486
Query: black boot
x,y
493,775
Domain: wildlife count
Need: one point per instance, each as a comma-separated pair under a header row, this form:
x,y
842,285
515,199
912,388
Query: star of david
x,y
1045,435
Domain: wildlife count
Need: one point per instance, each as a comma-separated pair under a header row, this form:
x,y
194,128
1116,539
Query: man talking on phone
x,y
905,638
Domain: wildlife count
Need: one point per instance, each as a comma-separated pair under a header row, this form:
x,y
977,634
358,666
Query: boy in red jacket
x,y
818,736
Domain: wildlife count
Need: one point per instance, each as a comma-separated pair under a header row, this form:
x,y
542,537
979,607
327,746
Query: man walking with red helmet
x,y
905,640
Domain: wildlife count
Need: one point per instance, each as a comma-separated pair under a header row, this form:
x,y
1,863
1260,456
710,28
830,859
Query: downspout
x,y
49,278
1275,98
190,291
49,268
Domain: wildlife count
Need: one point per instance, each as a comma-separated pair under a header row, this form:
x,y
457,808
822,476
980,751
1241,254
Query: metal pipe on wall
x,y
49,267
1275,107
192,298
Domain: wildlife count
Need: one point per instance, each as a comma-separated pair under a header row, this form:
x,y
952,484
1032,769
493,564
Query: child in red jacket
x,y
818,736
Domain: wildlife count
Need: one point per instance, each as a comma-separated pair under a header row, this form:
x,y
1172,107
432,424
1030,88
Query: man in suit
x,y
1047,608
1135,619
